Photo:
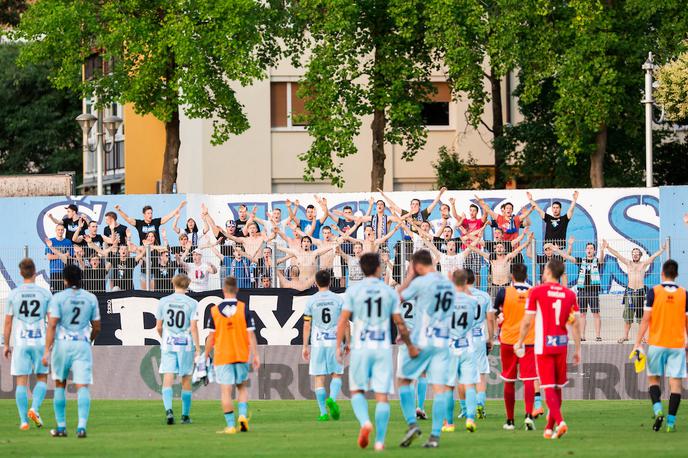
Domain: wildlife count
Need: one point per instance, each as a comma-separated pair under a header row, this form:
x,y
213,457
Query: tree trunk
x,y
377,174
171,158
597,158
497,127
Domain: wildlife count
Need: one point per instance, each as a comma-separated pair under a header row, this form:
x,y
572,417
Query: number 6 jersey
x,y
28,305
323,310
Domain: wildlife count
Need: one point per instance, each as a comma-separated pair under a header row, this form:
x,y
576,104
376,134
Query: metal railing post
x,y
402,261
533,262
273,271
668,251
26,251
148,268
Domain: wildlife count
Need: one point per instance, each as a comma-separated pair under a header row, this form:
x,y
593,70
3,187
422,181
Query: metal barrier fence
x,y
610,277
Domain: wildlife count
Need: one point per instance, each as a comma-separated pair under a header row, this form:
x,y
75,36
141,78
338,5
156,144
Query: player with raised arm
x,y
177,325
27,306
73,324
666,318
432,294
232,341
511,305
551,307
371,304
320,324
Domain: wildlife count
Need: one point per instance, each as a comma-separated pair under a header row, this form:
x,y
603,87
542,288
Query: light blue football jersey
x,y
27,305
462,322
372,303
484,305
176,312
324,308
433,302
75,308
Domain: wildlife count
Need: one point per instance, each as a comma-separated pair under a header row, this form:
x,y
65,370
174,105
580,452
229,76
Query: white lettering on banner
x,y
203,304
131,309
265,306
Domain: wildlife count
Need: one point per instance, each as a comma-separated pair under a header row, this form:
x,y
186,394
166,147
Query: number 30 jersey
x,y
372,304
433,304
323,310
27,305
75,308
176,312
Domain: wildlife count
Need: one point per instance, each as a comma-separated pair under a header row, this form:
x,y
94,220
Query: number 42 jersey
x,y
27,305
323,309
371,303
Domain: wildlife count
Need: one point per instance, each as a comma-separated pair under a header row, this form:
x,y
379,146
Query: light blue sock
x,y
335,387
167,398
671,420
482,397
407,404
320,396
59,405
186,402
439,410
450,407
422,390
657,407
38,396
360,406
538,401
229,418
84,406
243,409
382,413
471,402
462,403
22,399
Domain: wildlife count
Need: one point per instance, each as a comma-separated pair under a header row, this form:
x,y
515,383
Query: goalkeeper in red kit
x,y
552,307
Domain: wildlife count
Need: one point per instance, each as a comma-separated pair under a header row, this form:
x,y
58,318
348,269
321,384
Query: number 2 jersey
x,y
553,306
323,310
28,305
176,312
371,303
75,308
433,303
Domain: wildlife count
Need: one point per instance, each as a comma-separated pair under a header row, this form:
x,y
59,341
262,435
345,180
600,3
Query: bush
x,y
453,172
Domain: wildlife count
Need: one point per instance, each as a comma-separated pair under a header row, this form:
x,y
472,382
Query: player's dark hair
x,y
27,268
422,257
383,202
146,208
459,277
72,276
369,263
310,206
519,272
474,206
556,268
556,202
470,276
670,269
230,285
112,215
348,207
322,278
326,228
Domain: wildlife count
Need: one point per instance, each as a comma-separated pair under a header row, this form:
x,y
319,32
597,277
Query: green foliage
x,y
453,172
38,133
672,92
10,12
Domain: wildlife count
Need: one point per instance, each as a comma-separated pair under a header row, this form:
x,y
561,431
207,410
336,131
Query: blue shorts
x,y
231,374
481,360
371,369
431,360
27,360
324,361
176,362
74,356
462,369
667,362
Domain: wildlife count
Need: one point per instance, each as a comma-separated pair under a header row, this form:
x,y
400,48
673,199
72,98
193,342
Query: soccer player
x,y
462,363
371,303
26,308
433,296
321,316
665,317
482,340
232,342
511,303
177,325
73,323
554,307
422,382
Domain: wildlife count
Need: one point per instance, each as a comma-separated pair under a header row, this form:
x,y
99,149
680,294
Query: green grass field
x,y
288,428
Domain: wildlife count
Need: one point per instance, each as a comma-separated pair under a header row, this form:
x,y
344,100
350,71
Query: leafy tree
x,y
364,57
672,92
160,55
455,173
10,12
38,133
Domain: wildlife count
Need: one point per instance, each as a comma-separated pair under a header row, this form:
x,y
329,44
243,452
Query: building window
x,y
436,110
285,105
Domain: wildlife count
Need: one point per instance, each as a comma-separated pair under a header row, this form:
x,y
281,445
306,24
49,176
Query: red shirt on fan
x,y
552,305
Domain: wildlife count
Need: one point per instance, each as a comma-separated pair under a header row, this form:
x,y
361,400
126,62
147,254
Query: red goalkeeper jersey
x,y
553,306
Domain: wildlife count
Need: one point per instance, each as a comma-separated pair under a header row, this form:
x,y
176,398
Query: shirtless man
x,y
253,242
500,263
307,260
296,280
634,296
370,243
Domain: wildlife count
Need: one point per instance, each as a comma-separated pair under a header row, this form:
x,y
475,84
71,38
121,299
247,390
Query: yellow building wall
x,y
144,147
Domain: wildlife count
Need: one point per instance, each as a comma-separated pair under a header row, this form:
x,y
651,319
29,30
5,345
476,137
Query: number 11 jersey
x,y
371,303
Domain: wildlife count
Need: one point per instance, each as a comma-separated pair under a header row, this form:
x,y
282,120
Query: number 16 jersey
x,y
323,310
433,304
372,304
